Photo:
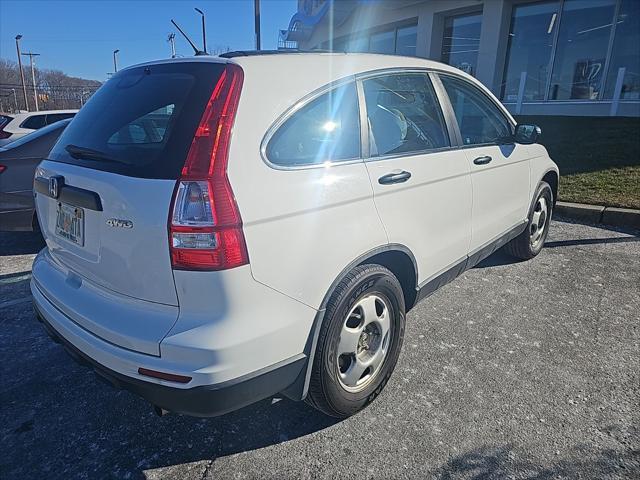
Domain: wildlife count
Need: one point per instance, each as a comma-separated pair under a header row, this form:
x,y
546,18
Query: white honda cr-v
x,y
220,230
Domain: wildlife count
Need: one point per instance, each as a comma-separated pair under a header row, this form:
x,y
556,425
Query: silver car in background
x,y
18,162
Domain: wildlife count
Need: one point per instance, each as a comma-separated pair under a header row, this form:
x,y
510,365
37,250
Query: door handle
x,y
482,160
394,177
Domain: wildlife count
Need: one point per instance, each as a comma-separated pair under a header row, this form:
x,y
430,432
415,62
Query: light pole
x,y
204,33
115,60
24,87
33,76
15,99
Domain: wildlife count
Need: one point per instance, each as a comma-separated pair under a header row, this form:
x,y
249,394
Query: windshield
x,y
142,121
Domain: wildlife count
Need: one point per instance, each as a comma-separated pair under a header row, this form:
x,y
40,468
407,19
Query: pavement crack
x,y
206,469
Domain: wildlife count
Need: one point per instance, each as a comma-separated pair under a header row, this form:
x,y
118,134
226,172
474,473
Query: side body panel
x,y
302,226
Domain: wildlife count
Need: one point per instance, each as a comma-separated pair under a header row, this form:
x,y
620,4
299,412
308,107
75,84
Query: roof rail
x,y
253,53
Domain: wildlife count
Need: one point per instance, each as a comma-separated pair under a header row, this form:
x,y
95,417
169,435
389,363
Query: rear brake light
x,y
2,168
205,228
4,134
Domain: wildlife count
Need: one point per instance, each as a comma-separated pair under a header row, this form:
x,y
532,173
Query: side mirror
x,y
527,134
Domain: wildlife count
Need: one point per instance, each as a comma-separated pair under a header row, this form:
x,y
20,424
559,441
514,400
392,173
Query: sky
x,y
79,36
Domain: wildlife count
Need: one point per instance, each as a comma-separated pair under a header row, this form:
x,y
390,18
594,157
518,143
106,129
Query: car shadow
x,y
114,433
20,243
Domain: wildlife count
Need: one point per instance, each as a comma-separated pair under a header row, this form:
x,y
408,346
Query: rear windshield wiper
x,y
85,153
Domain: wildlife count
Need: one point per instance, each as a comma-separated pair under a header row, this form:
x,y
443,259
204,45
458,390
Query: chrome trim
x,y
364,147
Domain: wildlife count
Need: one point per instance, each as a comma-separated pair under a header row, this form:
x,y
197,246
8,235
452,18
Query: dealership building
x,y
551,57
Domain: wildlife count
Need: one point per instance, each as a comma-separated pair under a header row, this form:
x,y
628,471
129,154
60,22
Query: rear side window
x,y
327,129
35,122
479,119
4,119
404,115
56,117
142,121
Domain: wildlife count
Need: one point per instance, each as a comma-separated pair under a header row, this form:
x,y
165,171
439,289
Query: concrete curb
x,y
617,217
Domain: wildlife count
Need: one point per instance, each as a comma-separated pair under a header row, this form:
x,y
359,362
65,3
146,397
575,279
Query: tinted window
x,y
479,119
404,115
327,129
4,119
35,122
56,117
142,120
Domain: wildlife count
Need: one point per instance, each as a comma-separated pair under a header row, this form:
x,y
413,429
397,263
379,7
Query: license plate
x,y
70,223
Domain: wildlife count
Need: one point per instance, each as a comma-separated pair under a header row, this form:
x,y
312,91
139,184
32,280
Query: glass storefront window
x,y
626,52
531,36
383,42
578,69
407,39
358,44
461,42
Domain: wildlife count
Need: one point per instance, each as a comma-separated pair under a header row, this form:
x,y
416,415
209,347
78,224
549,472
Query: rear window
x,y
56,117
4,119
141,122
34,122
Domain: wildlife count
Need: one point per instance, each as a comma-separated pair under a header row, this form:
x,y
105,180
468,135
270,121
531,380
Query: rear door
x,y
104,193
499,167
422,188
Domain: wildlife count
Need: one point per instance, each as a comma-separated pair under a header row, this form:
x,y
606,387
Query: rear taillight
x,y
205,228
2,168
4,134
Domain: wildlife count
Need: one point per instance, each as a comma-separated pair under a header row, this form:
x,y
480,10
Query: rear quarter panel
x,y
302,227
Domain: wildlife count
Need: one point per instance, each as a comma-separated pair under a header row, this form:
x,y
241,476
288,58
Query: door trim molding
x,y
430,285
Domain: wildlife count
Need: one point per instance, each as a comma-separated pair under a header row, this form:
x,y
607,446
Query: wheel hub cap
x,y
538,221
364,341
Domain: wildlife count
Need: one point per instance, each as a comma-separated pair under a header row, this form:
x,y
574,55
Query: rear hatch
x,y
104,193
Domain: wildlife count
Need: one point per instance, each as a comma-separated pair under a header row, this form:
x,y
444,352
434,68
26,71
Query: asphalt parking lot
x,y
515,370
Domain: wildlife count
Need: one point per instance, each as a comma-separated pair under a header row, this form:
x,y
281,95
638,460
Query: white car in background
x,y
221,230
16,125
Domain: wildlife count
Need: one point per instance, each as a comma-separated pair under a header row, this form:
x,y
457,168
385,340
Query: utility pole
x,y
256,6
172,41
115,60
24,87
33,76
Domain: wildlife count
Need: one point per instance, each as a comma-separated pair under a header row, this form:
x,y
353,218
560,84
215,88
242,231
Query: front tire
x,y
359,341
530,242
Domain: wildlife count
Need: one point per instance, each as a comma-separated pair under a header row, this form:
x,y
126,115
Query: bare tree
x,y
56,90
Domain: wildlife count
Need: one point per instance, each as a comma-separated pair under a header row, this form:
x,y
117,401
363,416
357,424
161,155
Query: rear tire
x,y
530,242
359,341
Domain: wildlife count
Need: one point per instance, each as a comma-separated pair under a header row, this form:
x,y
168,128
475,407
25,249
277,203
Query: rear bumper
x,y
239,341
201,401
